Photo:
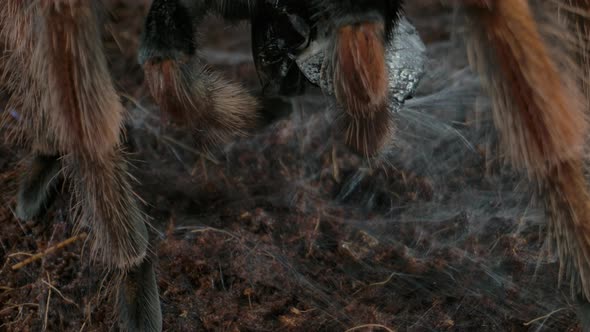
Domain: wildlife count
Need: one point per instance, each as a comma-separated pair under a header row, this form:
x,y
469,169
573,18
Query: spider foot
x,y
107,204
583,312
37,187
138,302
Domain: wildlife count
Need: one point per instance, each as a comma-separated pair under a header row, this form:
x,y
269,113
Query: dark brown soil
x,y
289,231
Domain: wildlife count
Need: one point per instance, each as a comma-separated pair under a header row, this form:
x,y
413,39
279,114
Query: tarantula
x,y
72,120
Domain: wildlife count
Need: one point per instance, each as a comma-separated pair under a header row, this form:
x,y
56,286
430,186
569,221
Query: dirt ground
x,y
289,231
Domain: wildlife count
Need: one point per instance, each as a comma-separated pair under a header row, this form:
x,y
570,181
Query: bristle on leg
x,y
215,109
366,134
70,60
85,117
538,112
568,204
25,123
137,299
361,84
105,201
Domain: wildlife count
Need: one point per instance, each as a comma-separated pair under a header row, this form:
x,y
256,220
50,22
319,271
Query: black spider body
x,y
279,31
282,29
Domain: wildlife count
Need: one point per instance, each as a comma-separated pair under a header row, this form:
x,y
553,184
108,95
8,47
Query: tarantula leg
x,y
361,33
567,200
86,119
88,115
539,113
577,12
361,85
138,302
104,198
67,104
25,120
38,186
583,312
215,108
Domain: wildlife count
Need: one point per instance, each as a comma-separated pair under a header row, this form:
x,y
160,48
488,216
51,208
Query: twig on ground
x,y
46,315
47,251
18,306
